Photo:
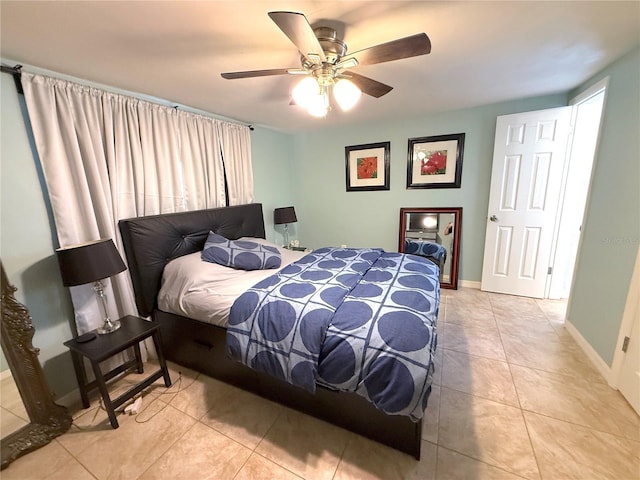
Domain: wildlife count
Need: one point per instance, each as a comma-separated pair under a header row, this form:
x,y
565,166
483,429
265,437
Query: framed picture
x,y
435,162
367,166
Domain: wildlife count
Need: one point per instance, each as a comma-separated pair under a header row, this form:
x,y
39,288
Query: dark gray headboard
x,y
151,242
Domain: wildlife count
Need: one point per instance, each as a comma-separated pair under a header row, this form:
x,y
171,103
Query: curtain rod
x,y
17,74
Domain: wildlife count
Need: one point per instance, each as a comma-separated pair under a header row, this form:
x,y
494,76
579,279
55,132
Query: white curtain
x,y
107,156
236,151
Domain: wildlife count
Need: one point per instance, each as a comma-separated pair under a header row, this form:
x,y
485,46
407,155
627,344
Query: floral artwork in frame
x,y
435,162
367,166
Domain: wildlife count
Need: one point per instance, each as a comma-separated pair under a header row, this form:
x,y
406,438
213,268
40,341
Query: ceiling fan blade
x,y
255,73
296,27
418,44
368,85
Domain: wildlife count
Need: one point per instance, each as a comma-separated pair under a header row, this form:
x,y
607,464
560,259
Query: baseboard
x,y
469,284
598,362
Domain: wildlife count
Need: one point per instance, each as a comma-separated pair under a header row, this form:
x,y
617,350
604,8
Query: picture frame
x,y
435,162
367,166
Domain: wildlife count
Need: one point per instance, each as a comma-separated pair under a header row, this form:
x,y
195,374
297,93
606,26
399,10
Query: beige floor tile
x,y
483,377
551,355
487,431
576,400
89,426
11,399
568,451
442,309
241,415
198,398
446,293
437,363
471,340
140,440
560,329
463,314
10,422
72,470
364,459
201,453
431,415
472,430
514,303
455,466
259,468
519,326
304,445
555,310
38,464
468,296
92,424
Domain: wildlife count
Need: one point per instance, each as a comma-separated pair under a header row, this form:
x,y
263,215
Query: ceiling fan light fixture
x,y
346,94
305,91
323,58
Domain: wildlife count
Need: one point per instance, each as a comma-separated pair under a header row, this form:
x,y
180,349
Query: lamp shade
x,y
284,215
88,262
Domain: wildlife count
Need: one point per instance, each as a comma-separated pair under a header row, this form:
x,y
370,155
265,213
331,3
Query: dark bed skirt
x,y
201,347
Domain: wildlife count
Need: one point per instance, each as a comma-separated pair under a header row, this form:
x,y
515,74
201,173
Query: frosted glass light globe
x,y
346,94
305,91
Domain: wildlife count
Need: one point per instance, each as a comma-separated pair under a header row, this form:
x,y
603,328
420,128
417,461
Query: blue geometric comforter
x,y
358,320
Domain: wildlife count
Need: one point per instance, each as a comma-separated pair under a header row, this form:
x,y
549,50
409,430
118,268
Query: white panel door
x,y
526,178
629,378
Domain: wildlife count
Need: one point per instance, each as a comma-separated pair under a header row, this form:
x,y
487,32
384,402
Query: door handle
x,y
493,218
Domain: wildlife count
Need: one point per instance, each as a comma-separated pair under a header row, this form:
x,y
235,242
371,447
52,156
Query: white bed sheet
x,y
205,291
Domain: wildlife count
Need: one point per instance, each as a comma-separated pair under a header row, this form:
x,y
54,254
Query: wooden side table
x,y
132,331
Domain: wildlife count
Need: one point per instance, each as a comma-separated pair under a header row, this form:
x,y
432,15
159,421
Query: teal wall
x,y
329,215
27,244
272,176
611,231
308,171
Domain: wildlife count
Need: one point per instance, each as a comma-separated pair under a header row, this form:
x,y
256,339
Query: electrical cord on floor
x,y
180,389
136,411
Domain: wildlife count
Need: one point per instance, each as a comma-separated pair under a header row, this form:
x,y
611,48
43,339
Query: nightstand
x,y
132,331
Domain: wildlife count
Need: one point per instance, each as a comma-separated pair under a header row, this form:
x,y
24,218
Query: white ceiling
x,y
482,52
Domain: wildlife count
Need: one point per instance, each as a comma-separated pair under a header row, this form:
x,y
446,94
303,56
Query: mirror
x,y
47,419
428,230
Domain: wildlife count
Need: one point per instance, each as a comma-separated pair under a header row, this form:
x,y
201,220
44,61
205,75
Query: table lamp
x,y
92,262
285,215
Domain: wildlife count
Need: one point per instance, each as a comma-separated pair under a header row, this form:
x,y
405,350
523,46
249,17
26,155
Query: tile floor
x,y
513,398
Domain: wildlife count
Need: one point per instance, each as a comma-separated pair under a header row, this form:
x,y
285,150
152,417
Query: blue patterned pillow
x,y
240,254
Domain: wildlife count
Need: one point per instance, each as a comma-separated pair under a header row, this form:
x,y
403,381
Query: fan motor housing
x,y
333,47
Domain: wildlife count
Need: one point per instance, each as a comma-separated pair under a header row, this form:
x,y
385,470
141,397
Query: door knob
x,y
493,218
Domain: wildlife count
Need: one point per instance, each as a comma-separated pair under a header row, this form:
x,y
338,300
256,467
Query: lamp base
x,y
108,326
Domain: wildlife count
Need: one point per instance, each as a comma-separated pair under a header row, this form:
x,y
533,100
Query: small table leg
x,y
102,386
81,377
136,348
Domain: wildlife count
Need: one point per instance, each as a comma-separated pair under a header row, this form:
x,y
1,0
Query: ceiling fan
x,y
326,65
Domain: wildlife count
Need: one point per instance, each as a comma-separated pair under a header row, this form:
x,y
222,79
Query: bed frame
x,y
151,242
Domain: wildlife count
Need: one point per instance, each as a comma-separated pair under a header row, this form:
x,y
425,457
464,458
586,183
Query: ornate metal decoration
x,y
48,420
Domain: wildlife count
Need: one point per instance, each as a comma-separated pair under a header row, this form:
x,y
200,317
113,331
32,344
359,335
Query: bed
x,y
199,340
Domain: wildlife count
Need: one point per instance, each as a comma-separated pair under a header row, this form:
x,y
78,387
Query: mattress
x,y
205,291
